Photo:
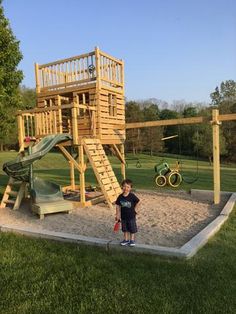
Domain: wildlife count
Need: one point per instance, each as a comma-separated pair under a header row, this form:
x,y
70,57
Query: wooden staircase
x,y
14,193
102,169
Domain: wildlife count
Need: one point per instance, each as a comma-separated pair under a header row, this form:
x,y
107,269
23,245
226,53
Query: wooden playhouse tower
x,y
82,96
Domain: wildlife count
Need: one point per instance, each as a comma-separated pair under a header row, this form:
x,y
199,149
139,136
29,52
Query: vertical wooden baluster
x,y
55,121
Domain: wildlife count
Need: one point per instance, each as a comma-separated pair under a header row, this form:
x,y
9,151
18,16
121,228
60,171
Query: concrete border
x,y
186,251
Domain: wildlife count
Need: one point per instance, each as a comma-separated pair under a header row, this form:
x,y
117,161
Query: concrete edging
x,y
188,250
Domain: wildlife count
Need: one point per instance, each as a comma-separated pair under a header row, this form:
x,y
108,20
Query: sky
x,y
173,49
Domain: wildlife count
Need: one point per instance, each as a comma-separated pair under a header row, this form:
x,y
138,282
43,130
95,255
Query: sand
x,y
167,219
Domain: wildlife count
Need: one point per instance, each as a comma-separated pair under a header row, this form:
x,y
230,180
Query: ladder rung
x,y
12,193
9,202
15,183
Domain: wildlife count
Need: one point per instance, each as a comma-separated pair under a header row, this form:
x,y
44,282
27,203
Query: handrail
x,y
45,109
67,59
79,70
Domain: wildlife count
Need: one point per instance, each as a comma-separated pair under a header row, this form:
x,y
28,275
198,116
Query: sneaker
x,y
131,243
124,242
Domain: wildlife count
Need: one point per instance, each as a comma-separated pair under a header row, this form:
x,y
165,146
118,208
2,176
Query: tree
x,y
224,97
202,140
171,146
27,97
133,113
152,136
10,78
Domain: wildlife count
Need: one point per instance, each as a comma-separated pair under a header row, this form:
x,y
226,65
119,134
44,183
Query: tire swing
x,y
174,179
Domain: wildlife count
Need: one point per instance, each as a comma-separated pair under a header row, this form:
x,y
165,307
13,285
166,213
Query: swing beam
x,y
216,121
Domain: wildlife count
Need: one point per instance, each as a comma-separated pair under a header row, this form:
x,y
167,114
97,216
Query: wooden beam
x,y
227,117
72,175
169,137
216,154
191,120
148,124
69,157
118,153
74,115
82,176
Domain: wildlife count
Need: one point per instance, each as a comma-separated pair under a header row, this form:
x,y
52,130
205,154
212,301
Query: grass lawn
x,y
41,276
54,167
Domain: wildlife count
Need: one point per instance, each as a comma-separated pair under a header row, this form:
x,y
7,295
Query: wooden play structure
x,y
83,98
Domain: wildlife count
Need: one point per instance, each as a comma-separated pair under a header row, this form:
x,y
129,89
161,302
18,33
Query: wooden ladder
x,y
14,193
102,169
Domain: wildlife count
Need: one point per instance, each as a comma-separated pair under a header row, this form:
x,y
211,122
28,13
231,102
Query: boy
x,y
126,210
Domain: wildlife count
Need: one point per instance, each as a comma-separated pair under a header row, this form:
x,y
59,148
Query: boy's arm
x,y
137,206
117,212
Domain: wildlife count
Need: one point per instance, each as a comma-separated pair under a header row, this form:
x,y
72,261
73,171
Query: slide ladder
x,y
14,193
102,169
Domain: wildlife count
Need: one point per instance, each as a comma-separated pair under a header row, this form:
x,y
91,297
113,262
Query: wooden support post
x,y
216,154
98,72
82,176
36,67
122,151
59,114
72,175
74,111
20,124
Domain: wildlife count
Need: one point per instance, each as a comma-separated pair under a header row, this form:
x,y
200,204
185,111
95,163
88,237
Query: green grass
x,y
54,167
41,276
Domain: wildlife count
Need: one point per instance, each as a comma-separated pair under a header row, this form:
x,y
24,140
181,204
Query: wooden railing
x,y
80,70
111,70
39,122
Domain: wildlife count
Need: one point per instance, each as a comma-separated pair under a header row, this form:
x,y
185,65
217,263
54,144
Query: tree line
x,y
191,140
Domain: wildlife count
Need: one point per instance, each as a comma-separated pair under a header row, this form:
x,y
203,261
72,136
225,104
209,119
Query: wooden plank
x,y
227,117
138,125
20,196
69,157
82,176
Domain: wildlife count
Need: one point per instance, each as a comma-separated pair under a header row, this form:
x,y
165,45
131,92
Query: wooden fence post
x,y
216,154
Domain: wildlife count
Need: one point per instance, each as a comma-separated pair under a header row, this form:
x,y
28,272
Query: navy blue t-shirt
x,y
127,205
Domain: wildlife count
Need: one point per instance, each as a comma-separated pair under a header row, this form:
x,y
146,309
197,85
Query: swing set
x,y
173,177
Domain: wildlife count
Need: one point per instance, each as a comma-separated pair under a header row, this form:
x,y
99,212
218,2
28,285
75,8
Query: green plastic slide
x,y
19,168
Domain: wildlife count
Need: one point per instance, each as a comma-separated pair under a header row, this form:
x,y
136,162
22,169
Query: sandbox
x,y
167,219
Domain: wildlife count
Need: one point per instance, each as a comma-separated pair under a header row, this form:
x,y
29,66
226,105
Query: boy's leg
x,y
133,229
126,233
126,236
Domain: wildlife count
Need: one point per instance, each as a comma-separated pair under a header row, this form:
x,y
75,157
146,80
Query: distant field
x,y
54,167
